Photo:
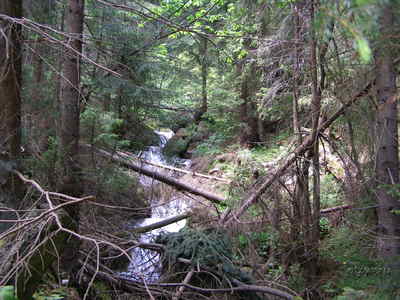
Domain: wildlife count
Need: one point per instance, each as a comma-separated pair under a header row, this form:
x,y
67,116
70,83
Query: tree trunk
x,y
10,103
313,206
10,84
248,111
69,128
387,162
203,60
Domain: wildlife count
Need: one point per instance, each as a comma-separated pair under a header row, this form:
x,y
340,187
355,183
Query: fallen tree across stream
x,y
131,156
161,223
157,175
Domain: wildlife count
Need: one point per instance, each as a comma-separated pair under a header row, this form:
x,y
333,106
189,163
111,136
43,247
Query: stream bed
x,y
146,264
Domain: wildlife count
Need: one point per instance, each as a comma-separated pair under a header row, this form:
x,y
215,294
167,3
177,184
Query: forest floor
x,y
349,268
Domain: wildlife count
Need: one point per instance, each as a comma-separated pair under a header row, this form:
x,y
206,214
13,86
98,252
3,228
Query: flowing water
x,y
146,265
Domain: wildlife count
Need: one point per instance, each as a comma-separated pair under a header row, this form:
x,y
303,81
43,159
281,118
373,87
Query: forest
x,y
199,149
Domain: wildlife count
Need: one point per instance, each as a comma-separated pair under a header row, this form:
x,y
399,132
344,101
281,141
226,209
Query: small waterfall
x,y
146,264
155,155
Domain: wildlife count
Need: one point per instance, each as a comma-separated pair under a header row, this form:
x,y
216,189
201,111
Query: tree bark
x,y
10,103
10,83
250,135
70,89
203,60
387,161
312,214
69,129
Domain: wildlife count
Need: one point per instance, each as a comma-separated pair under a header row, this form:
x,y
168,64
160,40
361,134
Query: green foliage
x,y
211,146
53,296
270,152
44,169
263,241
47,293
391,189
7,293
361,276
330,192
114,180
363,49
103,128
176,146
351,294
324,224
204,247
221,133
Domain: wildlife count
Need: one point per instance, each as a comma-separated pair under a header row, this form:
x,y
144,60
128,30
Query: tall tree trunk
x,y
312,236
203,60
10,68
41,119
204,74
387,161
69,133
10,103
248,109
296,207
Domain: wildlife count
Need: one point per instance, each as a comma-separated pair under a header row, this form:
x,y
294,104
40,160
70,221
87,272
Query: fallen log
x,y
158,176
161,223
336,208
299,151
130,156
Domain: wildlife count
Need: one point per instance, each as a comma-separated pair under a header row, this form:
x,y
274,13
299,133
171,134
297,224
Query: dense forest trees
x,y
291,106
10,83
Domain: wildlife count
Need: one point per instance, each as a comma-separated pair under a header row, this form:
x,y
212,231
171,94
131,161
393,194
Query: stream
x,y
146,264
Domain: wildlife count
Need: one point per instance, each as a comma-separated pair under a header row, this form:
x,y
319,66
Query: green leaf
x,y
364,50
395,212
7,293
363,2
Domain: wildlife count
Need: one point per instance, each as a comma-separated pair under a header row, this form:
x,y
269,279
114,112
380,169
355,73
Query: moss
x,y
176,146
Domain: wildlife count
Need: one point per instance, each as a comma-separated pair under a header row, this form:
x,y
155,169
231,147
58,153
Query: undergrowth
x,y
360,274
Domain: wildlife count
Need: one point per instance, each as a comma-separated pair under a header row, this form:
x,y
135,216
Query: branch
x,y
160,224
132,286
241,288
336,208
51,211
181,289
40,29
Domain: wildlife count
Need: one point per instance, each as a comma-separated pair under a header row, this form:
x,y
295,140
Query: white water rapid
x,y
146,264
